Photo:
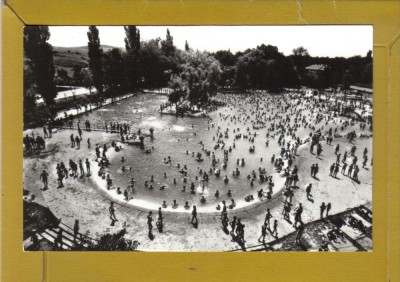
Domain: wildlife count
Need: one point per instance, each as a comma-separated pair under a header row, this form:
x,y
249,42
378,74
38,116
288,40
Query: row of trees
x,y
191,74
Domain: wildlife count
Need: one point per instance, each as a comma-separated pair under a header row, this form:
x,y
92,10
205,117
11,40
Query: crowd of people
x,y
288,122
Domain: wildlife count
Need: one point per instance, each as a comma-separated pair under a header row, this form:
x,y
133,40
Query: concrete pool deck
x,y
83,199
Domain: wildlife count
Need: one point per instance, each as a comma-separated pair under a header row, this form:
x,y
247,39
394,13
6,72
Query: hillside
x,y
69,57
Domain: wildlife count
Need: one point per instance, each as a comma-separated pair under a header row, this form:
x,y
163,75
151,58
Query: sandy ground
x,y
83,199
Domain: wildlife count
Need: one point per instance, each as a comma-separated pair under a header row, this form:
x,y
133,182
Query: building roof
x,y
316,67
364,89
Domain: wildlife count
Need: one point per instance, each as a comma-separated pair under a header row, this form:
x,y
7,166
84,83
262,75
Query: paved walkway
x,y
83,199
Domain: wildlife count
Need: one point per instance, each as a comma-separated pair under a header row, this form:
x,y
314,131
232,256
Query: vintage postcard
x,y
198,138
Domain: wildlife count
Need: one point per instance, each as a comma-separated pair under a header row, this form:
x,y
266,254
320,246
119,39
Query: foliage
x,y
62,77
228,62
131,57
113,242
199,77
300,52
78,75
265,68
167,45
152,64
113,71
95,58
40,61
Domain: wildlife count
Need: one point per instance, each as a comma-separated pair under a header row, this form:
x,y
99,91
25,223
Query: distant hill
x,y
69,57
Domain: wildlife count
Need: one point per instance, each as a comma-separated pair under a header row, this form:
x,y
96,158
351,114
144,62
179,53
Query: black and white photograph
x,y
198,138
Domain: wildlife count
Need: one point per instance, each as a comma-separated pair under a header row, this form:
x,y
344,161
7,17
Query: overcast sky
x,y
330,41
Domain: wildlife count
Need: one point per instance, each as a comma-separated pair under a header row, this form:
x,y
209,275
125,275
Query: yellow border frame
x,y
378,265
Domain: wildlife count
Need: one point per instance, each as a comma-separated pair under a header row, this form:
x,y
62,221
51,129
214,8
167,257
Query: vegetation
x,y
193,75
39,55
95,58
113,242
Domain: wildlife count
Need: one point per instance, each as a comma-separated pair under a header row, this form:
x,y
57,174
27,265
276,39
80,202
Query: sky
x,y
321,41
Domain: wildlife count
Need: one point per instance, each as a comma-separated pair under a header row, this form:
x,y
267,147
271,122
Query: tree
x,y
199,77
113,70
112,242
187,48
152,64
29,94
95,58
63,77
227,61
78,75
39,54
87,79
167,45
265,68
300,51
132,46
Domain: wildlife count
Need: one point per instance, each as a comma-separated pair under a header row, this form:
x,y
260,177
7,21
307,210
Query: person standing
x,y
275,229
268,216
315,170
336,170
44,177
60,175
82,171
194,214
350,171
322,209
87,166
332,169
263,233
344,168
72,141
355,174
149,221
58,243
50,130
328,208
338,158
78,142
160,216
111,209
79,132
76,229
45,134
233,225
223,209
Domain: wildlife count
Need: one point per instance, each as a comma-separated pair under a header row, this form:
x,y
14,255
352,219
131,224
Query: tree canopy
x,y
95,53
40,61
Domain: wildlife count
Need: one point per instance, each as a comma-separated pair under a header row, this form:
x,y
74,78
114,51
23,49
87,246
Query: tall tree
x,y
40,60
152,64
95,58
187,48
167,45
113,70
132,46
